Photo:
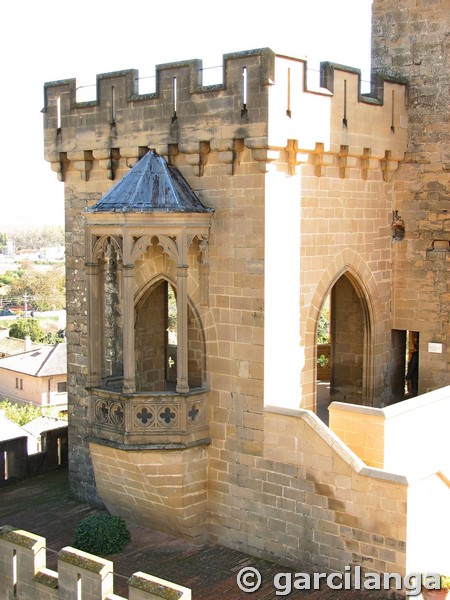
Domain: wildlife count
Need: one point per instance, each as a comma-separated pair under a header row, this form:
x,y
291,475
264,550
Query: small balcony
x,y
150,419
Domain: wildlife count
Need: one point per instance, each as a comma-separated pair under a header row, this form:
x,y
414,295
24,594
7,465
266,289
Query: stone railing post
x,y
146,587
22,555
83,575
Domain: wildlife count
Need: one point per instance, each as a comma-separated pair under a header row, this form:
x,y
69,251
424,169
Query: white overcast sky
x,y
47,40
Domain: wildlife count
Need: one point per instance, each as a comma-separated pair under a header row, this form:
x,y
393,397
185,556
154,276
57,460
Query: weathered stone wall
x,y
297,205
113,320
166,490
150,339
410,39
196,352
81,482
347,325
308,500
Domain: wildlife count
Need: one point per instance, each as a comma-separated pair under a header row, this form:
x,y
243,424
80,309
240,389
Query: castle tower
x,y
300,183
410,40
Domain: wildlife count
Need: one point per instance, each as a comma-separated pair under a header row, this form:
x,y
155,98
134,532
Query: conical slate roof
x,y
150,186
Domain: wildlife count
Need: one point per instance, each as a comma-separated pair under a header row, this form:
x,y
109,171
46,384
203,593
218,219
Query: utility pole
x,y
26,305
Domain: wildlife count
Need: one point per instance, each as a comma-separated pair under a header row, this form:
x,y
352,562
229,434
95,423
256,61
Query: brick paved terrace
x,y
43,506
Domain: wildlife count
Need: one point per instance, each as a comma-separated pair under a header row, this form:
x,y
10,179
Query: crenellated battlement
x,y
24,574
263,104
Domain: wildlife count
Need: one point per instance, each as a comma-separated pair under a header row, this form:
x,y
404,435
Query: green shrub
x,y
20,414
101,535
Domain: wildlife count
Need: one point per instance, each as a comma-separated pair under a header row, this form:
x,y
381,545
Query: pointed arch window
x,y
151,204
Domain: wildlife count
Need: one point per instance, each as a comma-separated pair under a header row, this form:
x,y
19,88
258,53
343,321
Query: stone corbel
x,y
107,160
197,155
262,152
264,157
388,165
191,152
225,151
320,159
294,157
59,165
205,149
82,162
368,163
132,155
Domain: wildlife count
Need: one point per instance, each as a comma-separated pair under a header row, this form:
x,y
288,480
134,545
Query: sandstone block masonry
x,y
411,39
303,186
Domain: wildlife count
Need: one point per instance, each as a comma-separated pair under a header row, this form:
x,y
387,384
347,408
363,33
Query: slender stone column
x,y
129,368
94,324
182,329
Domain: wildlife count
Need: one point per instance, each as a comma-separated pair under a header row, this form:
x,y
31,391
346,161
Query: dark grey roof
x,y
37,426
42,362
151,185
10,430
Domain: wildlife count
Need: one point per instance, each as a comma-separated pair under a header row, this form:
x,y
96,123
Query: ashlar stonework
x,y
192,334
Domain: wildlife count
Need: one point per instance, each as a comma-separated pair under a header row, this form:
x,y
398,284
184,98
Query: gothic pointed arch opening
x,y
404,365
351,334
156,341
113,315
323,362
344,362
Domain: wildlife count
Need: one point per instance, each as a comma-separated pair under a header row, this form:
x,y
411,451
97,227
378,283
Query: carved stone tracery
x,y
124,249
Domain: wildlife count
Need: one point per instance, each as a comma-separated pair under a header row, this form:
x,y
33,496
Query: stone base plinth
x,y
162,489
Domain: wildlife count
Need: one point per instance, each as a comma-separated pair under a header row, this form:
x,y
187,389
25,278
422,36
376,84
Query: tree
x,y
9,276
34,239
3,241
21,328
323,328
44,291
20,414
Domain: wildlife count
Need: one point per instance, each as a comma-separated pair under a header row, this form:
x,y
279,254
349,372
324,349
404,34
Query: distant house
x,y
27,254
10,346
13,449
53,253
36,377
10,430
36,430
37,447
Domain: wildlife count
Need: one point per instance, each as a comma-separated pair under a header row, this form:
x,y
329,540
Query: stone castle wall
x,y
410,39
266,249
302,185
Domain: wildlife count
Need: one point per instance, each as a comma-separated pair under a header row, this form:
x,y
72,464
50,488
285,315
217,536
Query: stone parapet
x,y
263,103
23,574
159,419
357,513
379,435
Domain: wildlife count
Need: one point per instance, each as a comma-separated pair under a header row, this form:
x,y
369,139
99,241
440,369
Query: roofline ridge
x,y
141,177
47,359
168,175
